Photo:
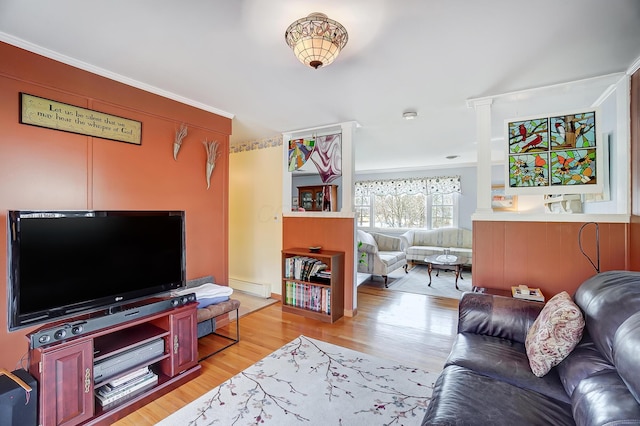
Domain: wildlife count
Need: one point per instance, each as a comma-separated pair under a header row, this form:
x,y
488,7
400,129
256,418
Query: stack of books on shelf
x,y
323,276
526,293
125,387
308,296
302,267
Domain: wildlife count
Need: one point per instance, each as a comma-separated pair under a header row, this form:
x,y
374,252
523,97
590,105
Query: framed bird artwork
x,y
554,154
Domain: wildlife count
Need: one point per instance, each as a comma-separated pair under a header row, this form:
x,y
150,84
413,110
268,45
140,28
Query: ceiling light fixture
x,y
410,115
316,40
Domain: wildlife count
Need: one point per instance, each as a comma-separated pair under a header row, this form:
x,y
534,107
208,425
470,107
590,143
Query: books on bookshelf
x,y
126,386
303,267
526,293
313,283
308,296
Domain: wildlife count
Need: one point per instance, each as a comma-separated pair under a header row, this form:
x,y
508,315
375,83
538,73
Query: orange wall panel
x,y
49,169
34,159
634,243
544,254
66,79
330,234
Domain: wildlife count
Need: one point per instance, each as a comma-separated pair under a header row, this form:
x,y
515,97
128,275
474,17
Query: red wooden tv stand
x,y
64,370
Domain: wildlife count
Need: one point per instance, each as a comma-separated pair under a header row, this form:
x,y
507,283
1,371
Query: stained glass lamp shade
x,y
316,40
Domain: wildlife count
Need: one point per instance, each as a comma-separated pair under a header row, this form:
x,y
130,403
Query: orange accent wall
x,y
49,169
634,244
329,233
544,254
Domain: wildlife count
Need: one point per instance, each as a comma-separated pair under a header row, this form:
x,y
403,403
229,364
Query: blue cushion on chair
x,y
203,303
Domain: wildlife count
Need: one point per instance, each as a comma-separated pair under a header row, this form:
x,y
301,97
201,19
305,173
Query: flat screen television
x,y
67,263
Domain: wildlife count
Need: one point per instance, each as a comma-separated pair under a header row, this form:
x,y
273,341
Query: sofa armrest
x,y
367,248
408,237
366,242
497,316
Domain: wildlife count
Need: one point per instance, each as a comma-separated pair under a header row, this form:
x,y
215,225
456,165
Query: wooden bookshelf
x,y
310,295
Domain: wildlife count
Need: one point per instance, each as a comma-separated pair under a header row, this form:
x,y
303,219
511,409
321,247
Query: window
x,y
409,203
443,210
362,207
399,210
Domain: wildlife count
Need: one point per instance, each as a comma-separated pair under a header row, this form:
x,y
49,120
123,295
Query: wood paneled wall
x,y
544,254
47,169
330,234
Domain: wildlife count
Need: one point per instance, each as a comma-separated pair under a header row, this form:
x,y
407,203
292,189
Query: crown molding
x,y
472,102
47,53
635,66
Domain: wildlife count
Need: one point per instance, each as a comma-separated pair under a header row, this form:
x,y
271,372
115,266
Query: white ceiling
x,y
431,56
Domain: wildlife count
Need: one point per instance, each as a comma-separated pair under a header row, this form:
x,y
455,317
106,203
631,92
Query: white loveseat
x,y
380,254
425,242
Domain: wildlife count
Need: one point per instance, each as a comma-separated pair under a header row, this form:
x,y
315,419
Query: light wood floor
x,y
414,329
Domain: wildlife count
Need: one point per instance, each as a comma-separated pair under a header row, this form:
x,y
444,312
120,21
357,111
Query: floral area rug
x,y
310,382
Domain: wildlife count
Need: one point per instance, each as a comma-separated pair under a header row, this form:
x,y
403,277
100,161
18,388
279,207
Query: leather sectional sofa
x,y
487,379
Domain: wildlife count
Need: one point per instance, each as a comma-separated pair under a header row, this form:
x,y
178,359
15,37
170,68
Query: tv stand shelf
x,y
114,343
64,369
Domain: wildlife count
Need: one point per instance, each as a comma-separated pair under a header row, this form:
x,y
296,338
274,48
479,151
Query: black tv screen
x,y
66,263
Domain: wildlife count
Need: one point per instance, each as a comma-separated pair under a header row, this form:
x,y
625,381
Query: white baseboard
x,y
261,290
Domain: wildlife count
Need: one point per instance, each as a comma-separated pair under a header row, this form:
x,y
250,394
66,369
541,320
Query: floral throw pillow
x,y
554,334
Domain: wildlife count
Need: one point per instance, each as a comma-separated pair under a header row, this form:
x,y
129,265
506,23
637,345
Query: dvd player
x,y
110,367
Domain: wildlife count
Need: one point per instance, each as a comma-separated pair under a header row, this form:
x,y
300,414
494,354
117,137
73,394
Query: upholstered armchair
x,y
380,254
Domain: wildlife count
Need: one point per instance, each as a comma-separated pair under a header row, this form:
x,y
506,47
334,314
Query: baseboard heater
x,y
261,290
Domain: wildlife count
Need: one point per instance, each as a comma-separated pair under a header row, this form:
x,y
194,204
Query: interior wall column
x,y
623,140
483,136
348,165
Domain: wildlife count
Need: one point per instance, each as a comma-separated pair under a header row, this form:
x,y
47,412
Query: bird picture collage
x,y
553,151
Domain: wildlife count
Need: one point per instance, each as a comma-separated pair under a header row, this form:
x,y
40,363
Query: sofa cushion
x,y
497,316
584,361
388,242
204,302
218,309
442,237
420,252
603,399
474,351
554,334
607,300
626,345
391,258
464,397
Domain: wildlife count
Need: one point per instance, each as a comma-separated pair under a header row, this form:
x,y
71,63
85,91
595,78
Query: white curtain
x,y
443,185
430,185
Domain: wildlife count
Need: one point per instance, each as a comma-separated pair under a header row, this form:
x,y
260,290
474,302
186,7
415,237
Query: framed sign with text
x,y
55,115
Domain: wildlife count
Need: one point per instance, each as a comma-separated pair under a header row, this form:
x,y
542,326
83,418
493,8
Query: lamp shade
x,y
316,40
